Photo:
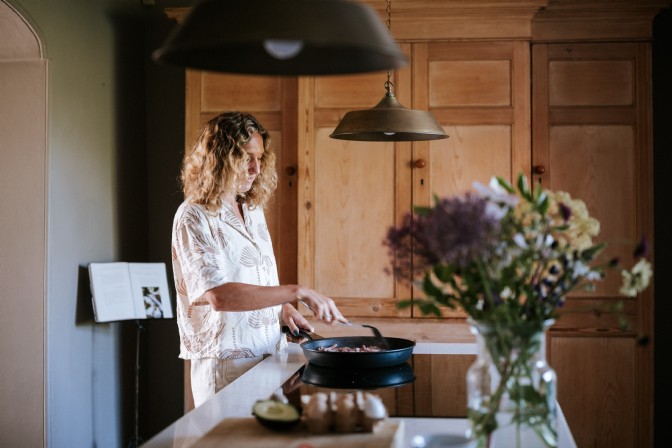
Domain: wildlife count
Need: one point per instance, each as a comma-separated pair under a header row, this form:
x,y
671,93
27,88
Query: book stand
x,y
136,440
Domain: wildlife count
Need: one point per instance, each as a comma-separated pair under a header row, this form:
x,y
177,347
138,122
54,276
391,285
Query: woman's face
x,y
255,151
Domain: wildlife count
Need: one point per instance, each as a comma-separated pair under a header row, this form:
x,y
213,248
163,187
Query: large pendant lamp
x,y
388,121
282,37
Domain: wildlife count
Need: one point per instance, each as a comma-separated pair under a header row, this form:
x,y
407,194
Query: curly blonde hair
x,y
217,163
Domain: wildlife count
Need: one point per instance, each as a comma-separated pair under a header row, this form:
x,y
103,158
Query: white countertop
x,y
237,399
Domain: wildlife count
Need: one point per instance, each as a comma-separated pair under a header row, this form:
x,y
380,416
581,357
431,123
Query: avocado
x,y
276,415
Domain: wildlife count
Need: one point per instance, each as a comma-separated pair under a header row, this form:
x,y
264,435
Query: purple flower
x,y
565,211
642,249
457,230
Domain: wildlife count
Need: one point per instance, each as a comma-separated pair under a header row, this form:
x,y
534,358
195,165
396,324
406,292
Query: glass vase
x,y
511,389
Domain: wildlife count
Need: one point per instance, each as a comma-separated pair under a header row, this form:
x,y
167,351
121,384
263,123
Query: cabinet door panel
x,y
474,153
592,139
354,206
595,83
470,83
479,92
594,388
604,156
219,92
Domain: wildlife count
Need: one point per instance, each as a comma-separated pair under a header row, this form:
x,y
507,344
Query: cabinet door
x,y
479,92
272,100
352,192
592,139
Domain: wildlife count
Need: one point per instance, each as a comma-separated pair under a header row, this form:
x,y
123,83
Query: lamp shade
x,y
282,37
388,121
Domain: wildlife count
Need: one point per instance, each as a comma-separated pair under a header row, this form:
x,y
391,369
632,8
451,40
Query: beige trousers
x,y
210,375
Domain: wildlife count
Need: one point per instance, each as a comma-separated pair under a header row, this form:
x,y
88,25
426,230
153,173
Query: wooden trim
x,y
305,143
192,112
645,301
521,132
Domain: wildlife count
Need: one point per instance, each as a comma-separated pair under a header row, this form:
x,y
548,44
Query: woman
x,y
230,305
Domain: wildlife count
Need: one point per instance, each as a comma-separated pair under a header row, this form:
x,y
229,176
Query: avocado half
x,y
276,415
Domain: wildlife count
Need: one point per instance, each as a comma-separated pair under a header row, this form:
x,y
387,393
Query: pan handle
x,y
306,334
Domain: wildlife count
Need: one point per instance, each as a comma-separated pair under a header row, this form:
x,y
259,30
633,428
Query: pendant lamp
x,y
282,37
388,121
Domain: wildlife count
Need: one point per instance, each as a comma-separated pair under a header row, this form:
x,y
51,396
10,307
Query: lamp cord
x,y
388,9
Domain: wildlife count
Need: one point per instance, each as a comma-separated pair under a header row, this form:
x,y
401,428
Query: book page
x,y
149,283
112,294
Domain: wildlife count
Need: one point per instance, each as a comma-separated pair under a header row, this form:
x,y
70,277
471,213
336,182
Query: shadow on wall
x,y
149,146
662,144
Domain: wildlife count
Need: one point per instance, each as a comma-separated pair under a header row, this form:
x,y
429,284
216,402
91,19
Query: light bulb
x,y
283,48
389,133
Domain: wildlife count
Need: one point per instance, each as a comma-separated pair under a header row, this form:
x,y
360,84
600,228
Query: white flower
x,y
495,193
519,239
636,279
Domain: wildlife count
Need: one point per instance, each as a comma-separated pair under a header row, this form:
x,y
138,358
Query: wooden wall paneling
x,y
643,168
284,205
342,225
521,156
404,156
489,132
597,147
597,389
273,101
479,92
306,169
192,113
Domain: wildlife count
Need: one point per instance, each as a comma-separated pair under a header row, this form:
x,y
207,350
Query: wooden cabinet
x,y
592,138
272,99
556,89
352,192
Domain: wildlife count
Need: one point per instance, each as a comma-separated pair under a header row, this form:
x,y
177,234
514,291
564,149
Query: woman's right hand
x,y
323,307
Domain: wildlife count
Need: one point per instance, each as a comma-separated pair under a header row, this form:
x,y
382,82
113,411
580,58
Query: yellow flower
x,y
581,226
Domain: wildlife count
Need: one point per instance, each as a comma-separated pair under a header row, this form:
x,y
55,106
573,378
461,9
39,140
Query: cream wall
x,y
76,177
23,162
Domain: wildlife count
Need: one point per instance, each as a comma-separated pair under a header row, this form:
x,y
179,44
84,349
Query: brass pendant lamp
x,y
388,121
282,37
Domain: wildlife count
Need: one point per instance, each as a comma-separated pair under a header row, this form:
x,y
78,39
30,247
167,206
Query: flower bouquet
x,y
507,257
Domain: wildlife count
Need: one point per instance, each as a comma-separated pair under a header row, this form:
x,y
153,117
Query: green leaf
x,y
505,184
428,307
592,252
422,210
543,205
524,188
429,287
404,304
443,272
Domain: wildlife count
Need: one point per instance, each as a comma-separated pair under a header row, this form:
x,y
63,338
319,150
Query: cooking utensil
x,y
398,351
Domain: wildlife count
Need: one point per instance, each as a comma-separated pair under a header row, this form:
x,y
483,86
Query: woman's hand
x,y
295,321
323,307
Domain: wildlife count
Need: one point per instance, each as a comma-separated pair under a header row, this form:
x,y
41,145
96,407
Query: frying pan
x,y
398,351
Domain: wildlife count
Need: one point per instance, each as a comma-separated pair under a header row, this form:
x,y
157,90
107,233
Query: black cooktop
x,y
425,386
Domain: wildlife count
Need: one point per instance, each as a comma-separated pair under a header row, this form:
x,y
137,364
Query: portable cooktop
x,y
428,385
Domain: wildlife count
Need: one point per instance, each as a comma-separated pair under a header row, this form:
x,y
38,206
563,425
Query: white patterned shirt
x,y
209,250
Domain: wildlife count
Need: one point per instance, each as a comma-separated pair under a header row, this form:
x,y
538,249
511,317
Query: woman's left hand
x,y
295,321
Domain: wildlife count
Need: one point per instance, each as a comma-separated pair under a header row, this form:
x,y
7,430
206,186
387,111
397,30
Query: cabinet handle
x,y
420,163
539,169
290,170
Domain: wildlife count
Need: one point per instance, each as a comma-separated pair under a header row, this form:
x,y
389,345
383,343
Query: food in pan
x,y
362,348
